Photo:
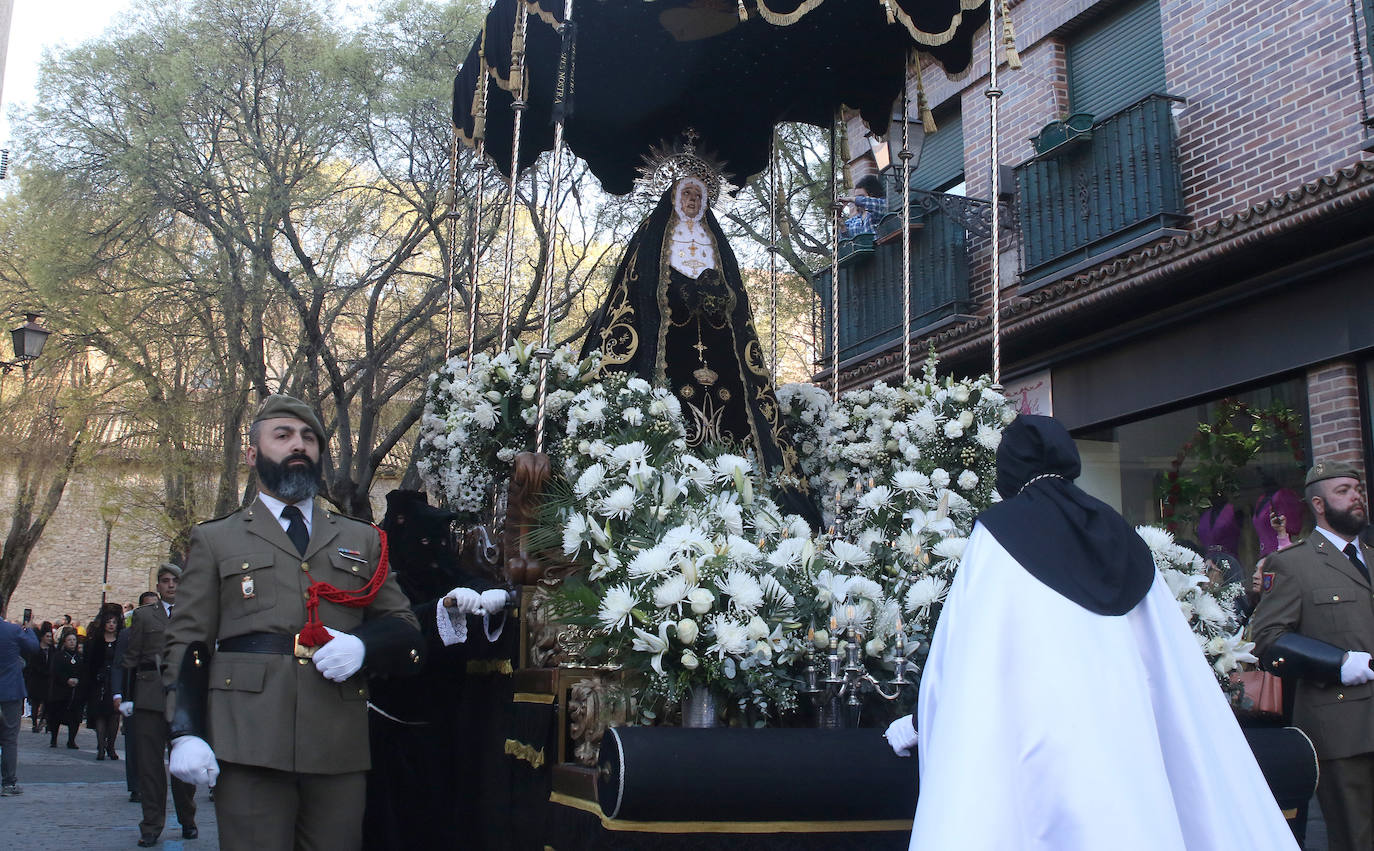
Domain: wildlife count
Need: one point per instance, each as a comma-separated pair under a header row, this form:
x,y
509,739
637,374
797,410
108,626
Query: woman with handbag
x,y
101,714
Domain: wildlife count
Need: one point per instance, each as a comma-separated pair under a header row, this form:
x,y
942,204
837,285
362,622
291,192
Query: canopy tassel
x,y
743,12
891,15
922,103
1009,38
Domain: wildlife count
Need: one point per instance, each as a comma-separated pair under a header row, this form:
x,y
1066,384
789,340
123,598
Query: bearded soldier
x,y
284,610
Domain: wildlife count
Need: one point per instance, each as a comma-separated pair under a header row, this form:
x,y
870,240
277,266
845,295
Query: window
x,y
1116,62
1129,465
942,156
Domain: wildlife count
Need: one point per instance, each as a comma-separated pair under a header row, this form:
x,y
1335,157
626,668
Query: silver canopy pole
x,y
993,93
517,79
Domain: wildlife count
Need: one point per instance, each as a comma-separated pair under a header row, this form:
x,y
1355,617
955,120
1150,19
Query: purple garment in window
x,y
1284,502
1219,529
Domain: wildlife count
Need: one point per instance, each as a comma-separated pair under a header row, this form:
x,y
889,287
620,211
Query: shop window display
x,y
1220,474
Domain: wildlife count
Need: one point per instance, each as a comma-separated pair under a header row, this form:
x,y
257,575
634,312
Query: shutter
x,y
1118,61
942,156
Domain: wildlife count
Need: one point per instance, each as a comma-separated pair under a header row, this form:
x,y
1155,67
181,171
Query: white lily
x,y
655,644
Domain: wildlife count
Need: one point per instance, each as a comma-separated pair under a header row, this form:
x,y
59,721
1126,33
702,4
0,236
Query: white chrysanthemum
x,y
618,503
939,478
870,536
729,466
574,530
968,480
672,592
484,414
740,551
788,552
876,499
631,454
632,416
730,515
924,593
950,547
591,479
988,437
696,471
1157,539
744,591
686,538
954,429
861,587
731,638
924,421
911,481
614,612
1210,610
775,592
655,561
843,553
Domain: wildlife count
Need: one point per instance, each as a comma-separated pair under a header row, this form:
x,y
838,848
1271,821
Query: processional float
x,y
610,80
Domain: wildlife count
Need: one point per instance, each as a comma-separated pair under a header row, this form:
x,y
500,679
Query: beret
x,y
1323,470
281,405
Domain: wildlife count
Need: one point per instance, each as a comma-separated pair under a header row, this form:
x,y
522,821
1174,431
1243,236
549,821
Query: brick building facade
x,y
1252,282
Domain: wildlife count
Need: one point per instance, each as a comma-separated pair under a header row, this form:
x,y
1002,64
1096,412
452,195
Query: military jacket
x,y
1318,593
143,657
243,575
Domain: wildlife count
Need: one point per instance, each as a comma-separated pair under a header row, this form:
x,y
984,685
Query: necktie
x,y
295,527
1352,553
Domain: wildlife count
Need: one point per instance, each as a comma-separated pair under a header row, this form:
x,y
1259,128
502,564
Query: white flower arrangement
x,y
476,421
1209,609
682,579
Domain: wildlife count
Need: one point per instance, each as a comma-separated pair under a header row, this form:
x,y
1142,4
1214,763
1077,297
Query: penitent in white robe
x,y
1045,726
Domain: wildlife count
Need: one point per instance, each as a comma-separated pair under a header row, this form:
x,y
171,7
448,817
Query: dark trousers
x,y
150,745
11,718
130,758
1346,793
261,809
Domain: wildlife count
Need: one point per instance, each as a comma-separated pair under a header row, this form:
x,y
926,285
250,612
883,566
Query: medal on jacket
x,y
247,585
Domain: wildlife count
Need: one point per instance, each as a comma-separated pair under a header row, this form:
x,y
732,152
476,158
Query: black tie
x,y
295,527
1352,553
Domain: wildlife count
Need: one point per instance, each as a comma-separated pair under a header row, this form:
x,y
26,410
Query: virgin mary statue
x,y
678,316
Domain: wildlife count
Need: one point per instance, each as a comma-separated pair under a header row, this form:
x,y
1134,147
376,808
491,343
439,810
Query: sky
x,y
45,24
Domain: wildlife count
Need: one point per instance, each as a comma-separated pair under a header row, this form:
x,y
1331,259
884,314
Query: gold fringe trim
x,y
780,19
531,697
923,103
887,7
525,752
1009,38
490,666
935,39
543,15
716,827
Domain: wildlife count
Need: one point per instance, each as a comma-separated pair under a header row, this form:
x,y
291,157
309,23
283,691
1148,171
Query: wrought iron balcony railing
x,y
1117,185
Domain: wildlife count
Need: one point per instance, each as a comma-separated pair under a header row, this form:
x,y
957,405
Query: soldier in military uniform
x,y
1316,625
139,696
280,621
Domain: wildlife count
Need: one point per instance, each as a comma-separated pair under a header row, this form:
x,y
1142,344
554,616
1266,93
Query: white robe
x,y
1045,726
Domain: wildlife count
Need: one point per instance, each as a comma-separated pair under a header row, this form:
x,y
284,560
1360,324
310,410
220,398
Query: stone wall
x,y
65,570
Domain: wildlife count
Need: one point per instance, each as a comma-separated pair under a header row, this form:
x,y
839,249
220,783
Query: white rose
x,y
966,419
874,647
527,392
953,430
939,478
689,660
701,600
821,639
757,628
968,480
960,394
687,631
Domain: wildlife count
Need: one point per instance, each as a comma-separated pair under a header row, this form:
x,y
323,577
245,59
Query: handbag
x,y
1263,692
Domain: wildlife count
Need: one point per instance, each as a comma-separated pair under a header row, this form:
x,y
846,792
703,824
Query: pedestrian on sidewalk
x,y
101,714
64,689
16,641
38,672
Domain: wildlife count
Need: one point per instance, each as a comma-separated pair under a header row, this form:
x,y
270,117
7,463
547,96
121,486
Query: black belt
x,y
147,666
259,642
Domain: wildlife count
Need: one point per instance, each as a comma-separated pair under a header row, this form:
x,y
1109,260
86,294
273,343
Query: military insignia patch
x,y
246,585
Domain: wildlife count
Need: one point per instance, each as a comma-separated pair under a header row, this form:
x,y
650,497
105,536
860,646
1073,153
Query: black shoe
x,y
112,754
71,746
189,832
53,743
99,756
147,840
134,798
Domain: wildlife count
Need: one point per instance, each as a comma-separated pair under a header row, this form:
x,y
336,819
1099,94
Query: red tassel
x,y
313,634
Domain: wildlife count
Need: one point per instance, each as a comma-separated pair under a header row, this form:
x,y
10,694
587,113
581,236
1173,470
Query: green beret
x,y
168,567
281,405
1323,470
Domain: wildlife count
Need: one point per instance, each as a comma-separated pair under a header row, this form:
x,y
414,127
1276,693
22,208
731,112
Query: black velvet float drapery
x,y
645,71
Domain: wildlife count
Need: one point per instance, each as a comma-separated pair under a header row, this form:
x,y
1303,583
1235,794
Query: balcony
x,y
870,280
1119,188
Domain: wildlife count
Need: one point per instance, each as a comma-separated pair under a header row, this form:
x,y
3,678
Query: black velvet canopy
x,y
645,71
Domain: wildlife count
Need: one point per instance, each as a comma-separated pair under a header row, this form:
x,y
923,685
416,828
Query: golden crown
x,y
666,163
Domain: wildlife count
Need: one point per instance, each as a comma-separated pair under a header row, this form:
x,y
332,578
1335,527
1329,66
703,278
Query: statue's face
x,y
690,199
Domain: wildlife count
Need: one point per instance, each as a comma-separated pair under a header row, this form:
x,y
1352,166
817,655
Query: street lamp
x,y
109,515
28,343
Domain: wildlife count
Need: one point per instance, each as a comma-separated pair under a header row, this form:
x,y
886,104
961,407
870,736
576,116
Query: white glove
x,y
1355,668
126,708
494,601
193,761
341,658
465,601
901,735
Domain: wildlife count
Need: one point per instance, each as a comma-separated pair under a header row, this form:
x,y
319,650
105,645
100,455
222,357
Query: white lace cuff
x,y
500,626
453,628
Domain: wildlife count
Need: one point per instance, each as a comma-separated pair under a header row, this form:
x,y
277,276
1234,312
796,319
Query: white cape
x,y
1045,726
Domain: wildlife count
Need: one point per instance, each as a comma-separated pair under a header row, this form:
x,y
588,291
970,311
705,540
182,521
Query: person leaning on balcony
x,y
285,609
868,201
1315,624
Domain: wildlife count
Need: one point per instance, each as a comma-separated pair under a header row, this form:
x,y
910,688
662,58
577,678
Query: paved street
x,y
72,802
